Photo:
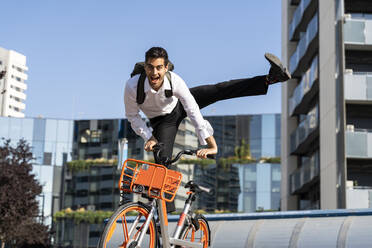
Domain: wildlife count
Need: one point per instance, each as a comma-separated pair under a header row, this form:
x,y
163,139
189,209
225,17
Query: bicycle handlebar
x,y
166,161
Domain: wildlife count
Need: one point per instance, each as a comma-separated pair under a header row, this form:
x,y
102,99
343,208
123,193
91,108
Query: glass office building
x,y
243,187
240,187
261,132
51,144
259,187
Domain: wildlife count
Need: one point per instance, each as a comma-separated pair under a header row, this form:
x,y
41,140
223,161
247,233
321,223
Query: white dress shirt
x,y
157,104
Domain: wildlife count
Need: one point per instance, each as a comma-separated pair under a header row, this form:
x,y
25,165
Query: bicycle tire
x,y
189,232
117,238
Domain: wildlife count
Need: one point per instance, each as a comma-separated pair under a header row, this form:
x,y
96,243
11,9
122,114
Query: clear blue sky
x,y
80,52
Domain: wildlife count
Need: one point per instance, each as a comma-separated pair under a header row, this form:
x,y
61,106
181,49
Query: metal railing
x,y
305,128
306,173
358,143
297,16
307,81
357,30
358,86
305,40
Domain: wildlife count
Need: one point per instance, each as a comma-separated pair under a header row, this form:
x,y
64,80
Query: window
x,y
47,158
96,136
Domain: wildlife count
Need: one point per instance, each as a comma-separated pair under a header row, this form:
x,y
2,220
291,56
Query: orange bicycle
x,y
133,224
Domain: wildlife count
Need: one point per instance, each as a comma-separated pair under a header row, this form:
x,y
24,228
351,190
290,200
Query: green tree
x,y
243,151
18,204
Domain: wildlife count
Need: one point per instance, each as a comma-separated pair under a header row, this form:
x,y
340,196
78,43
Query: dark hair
x,y
157,52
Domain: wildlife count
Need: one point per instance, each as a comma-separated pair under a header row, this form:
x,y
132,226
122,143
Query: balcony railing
x,y
300,98
305,174
306,43
357,31
358,86
293,2
304,134
297,17
358,143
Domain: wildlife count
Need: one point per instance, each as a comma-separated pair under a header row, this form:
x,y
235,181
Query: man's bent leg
x,y
166,134
165,131
208,94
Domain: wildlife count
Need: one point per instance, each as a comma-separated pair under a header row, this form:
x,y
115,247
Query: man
x,y
166,112
168,101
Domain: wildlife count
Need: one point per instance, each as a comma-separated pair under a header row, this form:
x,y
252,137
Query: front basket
x,y
155,180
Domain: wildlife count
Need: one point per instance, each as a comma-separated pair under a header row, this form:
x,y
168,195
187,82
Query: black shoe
x,y
277,73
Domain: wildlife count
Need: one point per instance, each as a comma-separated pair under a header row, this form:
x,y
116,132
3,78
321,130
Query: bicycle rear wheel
x,y
202,235
125,226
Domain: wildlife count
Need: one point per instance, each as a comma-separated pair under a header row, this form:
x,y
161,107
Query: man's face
x,y
155,71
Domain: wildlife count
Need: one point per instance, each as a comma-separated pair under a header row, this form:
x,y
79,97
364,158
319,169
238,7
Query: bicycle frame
x,y
167,241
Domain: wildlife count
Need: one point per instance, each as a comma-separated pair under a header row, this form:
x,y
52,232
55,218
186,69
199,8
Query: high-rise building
x,y
12,86
326,113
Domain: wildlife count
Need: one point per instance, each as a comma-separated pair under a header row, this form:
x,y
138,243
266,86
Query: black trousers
x,y
165,127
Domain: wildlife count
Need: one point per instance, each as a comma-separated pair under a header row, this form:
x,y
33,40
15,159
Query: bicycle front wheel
x,y
202,235
125,227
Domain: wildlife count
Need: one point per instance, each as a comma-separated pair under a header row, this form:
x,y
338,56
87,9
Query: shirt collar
x,y
165,86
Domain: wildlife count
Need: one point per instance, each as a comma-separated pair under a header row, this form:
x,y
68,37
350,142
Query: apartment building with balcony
x,y
326,107
13,86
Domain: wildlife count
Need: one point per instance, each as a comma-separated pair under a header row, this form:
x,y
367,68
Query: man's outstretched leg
x,y
208,94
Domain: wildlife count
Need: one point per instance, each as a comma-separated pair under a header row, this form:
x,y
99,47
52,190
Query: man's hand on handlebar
x,y
211,150
150,144
202,153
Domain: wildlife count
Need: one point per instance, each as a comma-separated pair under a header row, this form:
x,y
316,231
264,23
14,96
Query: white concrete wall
x,y
327,105
288,124
13,85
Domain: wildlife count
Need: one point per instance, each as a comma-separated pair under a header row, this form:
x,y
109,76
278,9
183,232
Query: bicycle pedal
x,y
148,229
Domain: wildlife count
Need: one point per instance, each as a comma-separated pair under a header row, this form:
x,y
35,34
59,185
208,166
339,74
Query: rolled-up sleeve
x,y
203,127
132,113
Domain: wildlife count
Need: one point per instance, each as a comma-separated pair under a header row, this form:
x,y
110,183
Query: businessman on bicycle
x,y
166,100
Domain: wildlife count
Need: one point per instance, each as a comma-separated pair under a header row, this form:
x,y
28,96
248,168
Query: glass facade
x,y
94,188
47,137
99,139
261,132
240,187
51,145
